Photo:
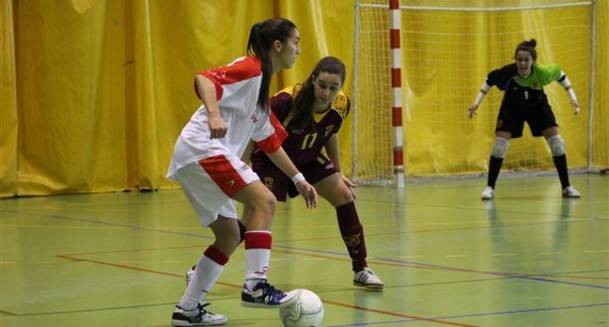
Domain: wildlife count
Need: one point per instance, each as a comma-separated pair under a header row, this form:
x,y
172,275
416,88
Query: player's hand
x,y
349,184
217,126
575,106
308,192
471,111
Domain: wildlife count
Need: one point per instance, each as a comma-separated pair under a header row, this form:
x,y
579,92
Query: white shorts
x,y
210,183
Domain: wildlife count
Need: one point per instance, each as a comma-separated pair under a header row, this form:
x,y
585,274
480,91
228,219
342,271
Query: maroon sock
x,y
352,233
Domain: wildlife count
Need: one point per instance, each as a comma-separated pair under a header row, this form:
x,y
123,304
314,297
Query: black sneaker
x,y
263,295
196,317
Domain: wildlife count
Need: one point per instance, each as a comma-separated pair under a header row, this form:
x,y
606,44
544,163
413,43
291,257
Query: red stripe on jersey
x,y
398,156
394,39
281,132
224,174
273,142
237,71
215,255
258,240
396,77
396,117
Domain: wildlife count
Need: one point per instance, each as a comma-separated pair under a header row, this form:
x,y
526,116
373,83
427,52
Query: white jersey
x,y
237,87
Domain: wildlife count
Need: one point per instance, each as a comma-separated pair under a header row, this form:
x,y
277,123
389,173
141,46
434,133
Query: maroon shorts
x,y
281,185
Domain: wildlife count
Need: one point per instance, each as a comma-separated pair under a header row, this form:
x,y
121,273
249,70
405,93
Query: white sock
x,y
257,256
257,263
206,273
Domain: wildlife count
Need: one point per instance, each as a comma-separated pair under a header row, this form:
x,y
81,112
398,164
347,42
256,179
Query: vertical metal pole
x,y
355,95
592,70
396,88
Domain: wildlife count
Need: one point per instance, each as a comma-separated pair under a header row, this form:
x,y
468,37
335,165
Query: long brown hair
x,y
261,38
303,102
528,46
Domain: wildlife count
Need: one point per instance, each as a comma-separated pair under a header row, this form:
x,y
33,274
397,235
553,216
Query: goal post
x,y
447,48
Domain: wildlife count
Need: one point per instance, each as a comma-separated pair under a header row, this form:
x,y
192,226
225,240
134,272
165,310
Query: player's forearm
x,y
483,91
566,84
283,162
207,92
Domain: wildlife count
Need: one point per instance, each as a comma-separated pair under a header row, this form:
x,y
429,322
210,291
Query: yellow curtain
x,y
8,103
94,93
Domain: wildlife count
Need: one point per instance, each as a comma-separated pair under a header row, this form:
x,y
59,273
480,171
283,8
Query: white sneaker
x,y
196,317
488,193
368,279
570,192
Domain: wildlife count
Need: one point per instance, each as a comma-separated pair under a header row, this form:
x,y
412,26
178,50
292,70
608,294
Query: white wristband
x,y
483,90
571,94
298,178
567,85
479,98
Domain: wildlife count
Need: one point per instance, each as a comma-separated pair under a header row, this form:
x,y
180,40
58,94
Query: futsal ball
x,y
306,311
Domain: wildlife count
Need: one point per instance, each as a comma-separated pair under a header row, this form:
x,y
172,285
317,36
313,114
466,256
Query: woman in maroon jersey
x,y
312,113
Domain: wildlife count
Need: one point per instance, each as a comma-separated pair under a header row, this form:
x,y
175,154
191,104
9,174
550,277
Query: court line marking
x,y
551,253
596,251
340,257
368,235
511,254
482,314
411,318
379,260
83,310
196,235
343,257
389,313
536,277
403,263
399,263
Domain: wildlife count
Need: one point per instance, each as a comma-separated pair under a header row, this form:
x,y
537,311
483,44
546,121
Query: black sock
x,y
494,166
561,166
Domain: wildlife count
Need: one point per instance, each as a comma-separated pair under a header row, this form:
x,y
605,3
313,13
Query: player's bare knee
x,y
557,145
265,204
500,147
345,196
338,195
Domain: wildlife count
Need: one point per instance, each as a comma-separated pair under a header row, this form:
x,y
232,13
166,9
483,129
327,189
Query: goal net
x,y
448,48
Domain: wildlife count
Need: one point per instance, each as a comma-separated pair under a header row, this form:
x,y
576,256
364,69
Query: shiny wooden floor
x,y
528,258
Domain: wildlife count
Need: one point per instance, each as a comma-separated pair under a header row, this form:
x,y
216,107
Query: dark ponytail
x,y
528,46
261,38
303,102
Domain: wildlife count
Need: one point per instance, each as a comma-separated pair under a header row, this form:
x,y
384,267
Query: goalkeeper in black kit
x,y
525,100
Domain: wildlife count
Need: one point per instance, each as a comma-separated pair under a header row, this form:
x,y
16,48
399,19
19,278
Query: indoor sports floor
x,y
528,258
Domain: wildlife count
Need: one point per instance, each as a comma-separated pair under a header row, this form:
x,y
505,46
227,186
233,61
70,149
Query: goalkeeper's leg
x,y
500,147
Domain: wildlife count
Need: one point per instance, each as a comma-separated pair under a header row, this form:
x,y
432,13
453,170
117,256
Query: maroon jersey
x,y
304,146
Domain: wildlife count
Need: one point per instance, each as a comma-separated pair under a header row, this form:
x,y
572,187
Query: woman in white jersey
x,y
525,100
206,161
